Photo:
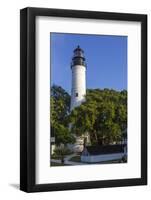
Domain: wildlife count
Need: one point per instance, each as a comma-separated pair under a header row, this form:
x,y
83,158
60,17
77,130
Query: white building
x,y
78,88
78,67
97,154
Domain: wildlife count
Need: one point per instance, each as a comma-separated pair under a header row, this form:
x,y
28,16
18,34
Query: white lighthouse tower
x,y
78,67
78,90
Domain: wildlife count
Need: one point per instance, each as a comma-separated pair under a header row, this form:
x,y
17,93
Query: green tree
x,y
60,105
61,151
103,115
62,135
59,109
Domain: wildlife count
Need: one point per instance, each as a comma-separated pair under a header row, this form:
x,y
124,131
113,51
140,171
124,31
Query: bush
x,y
61,151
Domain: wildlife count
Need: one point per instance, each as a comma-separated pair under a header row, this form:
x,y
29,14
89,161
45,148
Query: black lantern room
x,y
78,57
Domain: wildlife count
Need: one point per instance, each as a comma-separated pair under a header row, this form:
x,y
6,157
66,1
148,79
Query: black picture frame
x,y
28,98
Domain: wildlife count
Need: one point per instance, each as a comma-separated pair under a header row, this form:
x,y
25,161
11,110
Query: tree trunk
x,y
96,137
62,159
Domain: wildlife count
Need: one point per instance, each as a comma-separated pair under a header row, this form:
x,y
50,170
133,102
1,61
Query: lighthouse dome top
x,y
78,52
78,49
78,57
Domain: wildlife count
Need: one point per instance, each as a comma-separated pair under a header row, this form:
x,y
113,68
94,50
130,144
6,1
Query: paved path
x,y
68,157
67,160
55,161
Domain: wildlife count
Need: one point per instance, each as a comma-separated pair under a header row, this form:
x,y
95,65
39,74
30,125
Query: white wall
x,y
78,85
101,158
9,98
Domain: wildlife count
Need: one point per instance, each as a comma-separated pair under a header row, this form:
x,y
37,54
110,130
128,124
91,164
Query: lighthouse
x,y
78,68
78,90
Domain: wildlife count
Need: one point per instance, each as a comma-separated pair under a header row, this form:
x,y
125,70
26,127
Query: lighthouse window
x,y
76,94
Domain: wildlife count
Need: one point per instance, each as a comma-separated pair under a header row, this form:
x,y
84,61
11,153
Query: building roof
x,y
78,48
106,149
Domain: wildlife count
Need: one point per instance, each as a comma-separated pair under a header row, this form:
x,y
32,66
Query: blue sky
x,y
106,58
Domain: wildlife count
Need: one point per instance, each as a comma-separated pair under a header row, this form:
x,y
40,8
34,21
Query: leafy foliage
x,y
60,105
62,151
103,115
59,109
62,135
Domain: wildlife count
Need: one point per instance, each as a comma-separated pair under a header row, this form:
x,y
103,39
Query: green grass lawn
x,y
57,164
76,159
55,157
